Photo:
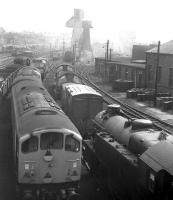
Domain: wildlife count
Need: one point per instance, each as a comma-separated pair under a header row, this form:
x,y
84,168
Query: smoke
x,y
126,41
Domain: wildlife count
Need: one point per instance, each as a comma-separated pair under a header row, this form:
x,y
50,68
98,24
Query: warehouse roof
x,y
166,48
126,63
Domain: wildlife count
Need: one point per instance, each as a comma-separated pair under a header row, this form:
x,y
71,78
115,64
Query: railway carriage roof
x,y
34,100
41,119
36,109
78,89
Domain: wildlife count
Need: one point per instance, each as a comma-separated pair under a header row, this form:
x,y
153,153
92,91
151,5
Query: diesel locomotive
x,y
47,145
133,159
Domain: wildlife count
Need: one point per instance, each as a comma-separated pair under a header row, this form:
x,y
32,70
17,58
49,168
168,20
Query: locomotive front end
x,y
49,161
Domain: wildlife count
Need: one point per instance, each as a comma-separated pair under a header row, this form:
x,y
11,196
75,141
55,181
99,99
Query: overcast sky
x,y
140,20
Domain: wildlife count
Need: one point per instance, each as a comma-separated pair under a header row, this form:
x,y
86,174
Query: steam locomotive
x,y
47,145
64,73
132,158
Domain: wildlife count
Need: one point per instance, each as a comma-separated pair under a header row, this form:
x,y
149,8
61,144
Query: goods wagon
x,y
81,103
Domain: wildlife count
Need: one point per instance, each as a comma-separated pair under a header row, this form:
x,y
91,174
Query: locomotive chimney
x,y
113,109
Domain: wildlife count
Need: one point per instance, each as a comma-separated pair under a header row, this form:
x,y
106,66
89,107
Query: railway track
x,y
5,60
90,182
129,110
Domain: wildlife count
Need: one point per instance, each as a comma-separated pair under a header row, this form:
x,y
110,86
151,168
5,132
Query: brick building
x,y
128,68
165,70
138,52
114,70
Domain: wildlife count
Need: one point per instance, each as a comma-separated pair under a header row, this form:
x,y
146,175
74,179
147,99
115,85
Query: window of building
x,y
119,71
126,73
159,75
112,69
171,77
150,72
71,144
133,75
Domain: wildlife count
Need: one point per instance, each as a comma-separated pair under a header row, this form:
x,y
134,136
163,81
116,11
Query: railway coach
x,y
47,145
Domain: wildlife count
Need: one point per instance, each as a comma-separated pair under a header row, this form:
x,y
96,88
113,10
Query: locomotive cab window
x,y
51,140
30,145
71,144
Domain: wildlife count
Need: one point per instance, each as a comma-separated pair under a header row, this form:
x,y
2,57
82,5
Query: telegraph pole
x,y
107,50
110,54
63,47
157,69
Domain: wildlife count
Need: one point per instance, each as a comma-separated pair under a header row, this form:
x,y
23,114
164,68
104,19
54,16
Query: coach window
x,y
71,144
51,140
30,145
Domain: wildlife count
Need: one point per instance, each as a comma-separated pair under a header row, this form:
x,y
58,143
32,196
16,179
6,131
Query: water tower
x,y
81,34
75,22
85,43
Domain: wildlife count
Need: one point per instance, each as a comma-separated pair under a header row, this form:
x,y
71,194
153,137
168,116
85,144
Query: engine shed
x,y
110,71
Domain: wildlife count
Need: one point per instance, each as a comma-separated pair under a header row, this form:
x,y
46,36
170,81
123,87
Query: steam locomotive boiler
x,y
47,146
134,159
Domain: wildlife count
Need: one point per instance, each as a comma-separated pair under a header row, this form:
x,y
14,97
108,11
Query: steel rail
x,y
129,110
